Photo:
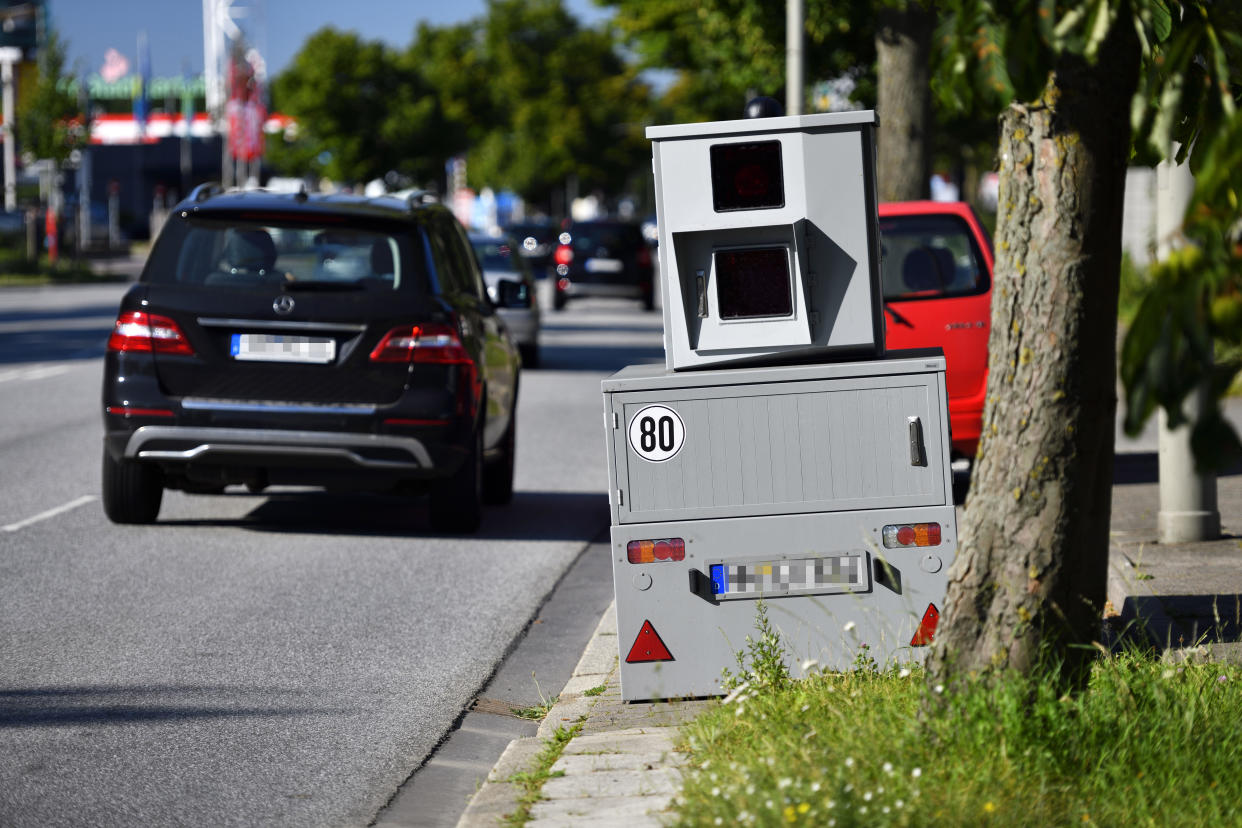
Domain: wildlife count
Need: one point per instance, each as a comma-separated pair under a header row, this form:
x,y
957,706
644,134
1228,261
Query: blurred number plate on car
x,y
281,348
790,576
604,265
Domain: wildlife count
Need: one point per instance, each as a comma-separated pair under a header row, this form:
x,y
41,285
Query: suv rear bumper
x,y
275,447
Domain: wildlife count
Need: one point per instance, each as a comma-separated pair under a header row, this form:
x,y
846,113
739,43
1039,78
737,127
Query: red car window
x,y
930,257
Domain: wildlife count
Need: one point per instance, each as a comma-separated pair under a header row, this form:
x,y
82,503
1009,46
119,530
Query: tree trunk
x,y
1027,588
903,101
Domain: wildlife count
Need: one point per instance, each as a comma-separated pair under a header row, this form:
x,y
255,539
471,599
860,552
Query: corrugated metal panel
x,y
785,448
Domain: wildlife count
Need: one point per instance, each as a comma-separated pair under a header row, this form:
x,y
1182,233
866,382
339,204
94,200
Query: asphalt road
x,y
281,659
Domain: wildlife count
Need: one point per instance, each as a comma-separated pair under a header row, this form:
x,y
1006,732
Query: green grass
x,y
17,270
530,783
536,712
595,691
1147,744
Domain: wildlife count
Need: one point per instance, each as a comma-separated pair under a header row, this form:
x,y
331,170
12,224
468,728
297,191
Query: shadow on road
x,y
1132,468
535,516
600,359
105,705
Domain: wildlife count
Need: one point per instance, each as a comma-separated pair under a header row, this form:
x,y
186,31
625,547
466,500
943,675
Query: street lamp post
x,y
9,55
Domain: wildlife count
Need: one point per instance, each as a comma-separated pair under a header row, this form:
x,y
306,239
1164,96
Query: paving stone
x,y
579,763
614,783
607,807
644,740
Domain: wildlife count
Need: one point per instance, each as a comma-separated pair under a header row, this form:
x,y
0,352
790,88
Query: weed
x,y
530,783
595,691
536,712
766,654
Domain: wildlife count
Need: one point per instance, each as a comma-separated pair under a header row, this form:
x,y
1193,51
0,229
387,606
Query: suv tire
x,y
132,492
498,475
558,301
530,355
457,503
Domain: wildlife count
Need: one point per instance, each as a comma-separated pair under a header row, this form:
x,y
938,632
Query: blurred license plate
x,y
790,576
604,265
280,348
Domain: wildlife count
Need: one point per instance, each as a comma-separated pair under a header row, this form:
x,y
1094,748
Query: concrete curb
x,y
498,796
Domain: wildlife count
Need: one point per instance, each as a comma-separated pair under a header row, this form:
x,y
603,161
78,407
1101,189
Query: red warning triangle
x,y
927,627
648,646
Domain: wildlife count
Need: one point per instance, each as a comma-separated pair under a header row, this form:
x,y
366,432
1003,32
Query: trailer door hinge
x,y
616,420
620,497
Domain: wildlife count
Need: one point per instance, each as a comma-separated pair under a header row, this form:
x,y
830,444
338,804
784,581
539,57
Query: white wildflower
x,y
849,626
738,693
939,688
867,796
784,783
715,791
814,787
916,773
905,672
810,663
849,761
887,767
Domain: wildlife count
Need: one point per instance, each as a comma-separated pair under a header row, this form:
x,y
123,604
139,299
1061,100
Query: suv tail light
x,y
564,254
434,343
422,343
644,257
140,331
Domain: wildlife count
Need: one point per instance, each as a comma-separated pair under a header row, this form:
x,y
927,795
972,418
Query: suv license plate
x,y
604,265
279,348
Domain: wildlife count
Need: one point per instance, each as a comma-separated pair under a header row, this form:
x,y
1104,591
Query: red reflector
x,y
564,254
927,627
144,332
127,411
653,551
648,646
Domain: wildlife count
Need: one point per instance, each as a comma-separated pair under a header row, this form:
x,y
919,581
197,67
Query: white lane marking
x,y
50,513
40,372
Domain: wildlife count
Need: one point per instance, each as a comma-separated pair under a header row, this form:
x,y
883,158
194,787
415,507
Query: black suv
x,y
604,258
334,341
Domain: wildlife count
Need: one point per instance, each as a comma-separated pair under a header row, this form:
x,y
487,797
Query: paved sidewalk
x,y
623,769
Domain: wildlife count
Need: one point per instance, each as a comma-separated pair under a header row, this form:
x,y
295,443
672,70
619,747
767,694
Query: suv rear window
x,y
617,239
930,257
265,252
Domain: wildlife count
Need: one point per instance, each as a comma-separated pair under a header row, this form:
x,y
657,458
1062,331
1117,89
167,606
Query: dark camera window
x,y
747,176
752,283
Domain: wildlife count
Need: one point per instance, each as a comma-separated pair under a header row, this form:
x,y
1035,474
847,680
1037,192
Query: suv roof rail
x,y
205,191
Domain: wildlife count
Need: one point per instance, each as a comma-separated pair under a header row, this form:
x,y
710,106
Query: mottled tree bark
x,y
903,101
1029,579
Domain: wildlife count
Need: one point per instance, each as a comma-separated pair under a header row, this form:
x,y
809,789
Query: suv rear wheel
x,y
457,503
498,475
132,492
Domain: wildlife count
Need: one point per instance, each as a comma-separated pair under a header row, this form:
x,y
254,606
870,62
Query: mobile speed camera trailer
x,y
779,453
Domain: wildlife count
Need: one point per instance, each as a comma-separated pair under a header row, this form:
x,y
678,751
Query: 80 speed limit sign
x,y
657,433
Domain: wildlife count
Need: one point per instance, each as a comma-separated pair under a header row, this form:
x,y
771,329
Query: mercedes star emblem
x,y
283,304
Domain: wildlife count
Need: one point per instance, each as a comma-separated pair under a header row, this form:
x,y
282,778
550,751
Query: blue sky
x,y
175,27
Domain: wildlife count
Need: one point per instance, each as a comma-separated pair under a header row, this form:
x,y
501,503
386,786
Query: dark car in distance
x,y
604,259
332,341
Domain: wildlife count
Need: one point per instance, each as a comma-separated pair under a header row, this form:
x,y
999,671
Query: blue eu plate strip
x,y
235,345
720,579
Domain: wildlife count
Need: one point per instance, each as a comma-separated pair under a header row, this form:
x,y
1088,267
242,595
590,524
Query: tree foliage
x,y
537,98
361,110
724,51
49,120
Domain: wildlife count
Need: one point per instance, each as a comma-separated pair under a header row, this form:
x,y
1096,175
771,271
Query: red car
x,y
937,272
